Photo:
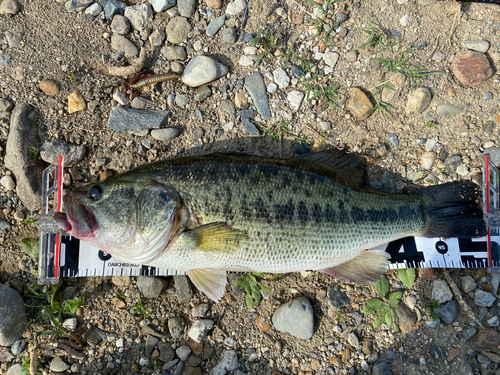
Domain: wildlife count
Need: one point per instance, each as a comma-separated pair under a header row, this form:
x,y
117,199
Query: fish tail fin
x,y
454,210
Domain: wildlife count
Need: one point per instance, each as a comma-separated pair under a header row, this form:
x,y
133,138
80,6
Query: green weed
x,y
252,286
383,308
340,317
432,306
72,79
325,94
72,305
431,124
407,276
376,39
382,107
267,39
139,308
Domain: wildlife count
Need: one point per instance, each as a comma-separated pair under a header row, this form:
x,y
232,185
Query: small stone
x,y
352,56
94,335
236,7
215,25
120,25
336,297
202,93
114,7
477,45
76,102
281,78
178,30
483,299
426,2
295,98
331,58
341,17
441,291
49,87
164,135
216,4
272,88
228,107
437,352
198,133
287,317
166,352
404,20
183,352
8,183
468,333
187,7
200,311
174,52
228,362
255,86
229,35
9,7
162,5
118,303
245,61
16,348
471,68
418,100
359,103
182,100
397,80
352,339
201,70
453,160
200,329
70,324
447,110
433,323
381,368
6,105
447,312
157,37
58,365
120,43
182,288
123,119
390,355
176,327
427,160
246,117
12,311
50,151
94,10
406,319
151,286
140,16
262,324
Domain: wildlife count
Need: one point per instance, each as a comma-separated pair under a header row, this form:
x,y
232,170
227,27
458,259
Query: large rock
x,y
471,68
296,318
21,157
256,87
201,70
50,151
123,119
13,316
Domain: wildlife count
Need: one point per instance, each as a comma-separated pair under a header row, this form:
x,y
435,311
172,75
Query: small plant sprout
x,y
324,94
432,306
382,107
73,304
431,124
340,317
407,276
376,39
383,308
139,308
252,286
268,40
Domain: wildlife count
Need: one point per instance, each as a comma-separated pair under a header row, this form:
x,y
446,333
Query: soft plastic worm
x,y
151,80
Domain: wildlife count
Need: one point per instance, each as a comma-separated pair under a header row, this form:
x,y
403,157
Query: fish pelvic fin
x,y
453,210
210,281
218,237
366,268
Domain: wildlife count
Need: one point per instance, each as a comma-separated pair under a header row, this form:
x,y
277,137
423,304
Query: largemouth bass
x,y
228,212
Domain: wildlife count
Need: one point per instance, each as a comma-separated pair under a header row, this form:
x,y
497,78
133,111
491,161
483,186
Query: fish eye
x,y
95,192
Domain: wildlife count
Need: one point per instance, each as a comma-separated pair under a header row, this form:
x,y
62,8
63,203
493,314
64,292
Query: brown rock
x,y
207,351
240,98
315,365
418,100
451,93
352,55
406,319
121,280
367,347
359,103
452,354
471,68
346,354
49,87
194,360
335,361
118,302
298,18
76,102
196,347
216,4
105,174
427,274
262,325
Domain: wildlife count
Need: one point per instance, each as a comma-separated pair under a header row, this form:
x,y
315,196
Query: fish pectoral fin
x,y
210,281
366,268
218,237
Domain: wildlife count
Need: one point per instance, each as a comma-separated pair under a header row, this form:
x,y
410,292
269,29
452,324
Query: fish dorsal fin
x,y
210,281
351,167
218,237
366,268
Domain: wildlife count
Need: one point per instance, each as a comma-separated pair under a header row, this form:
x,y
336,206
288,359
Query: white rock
x,y
318,55
94,9
402,1
228,362
70,324
295,99
411,301
331,58
250,50
404,20
119,343
228,126
236,7
462,170
8,183
272,87
477,45
120,98
441,291
281,78
162,5
488,144
201,70
245,60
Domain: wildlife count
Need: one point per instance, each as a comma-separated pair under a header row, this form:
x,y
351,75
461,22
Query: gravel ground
x,y
283,78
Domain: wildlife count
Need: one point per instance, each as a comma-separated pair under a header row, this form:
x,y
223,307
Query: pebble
x,y
352,339
157,37
13,315
471,68
94,10
295,98
198,133
228,362
183,352
5,60
140,16
176,327
352,56
178,30
165,134
477,45
200,311
493,321
174,52
246,117
215,25
427,160
404,20
359,103
114,7
272,88
123,119
182,100
441,291
94,335
341,17
6,105
8,183
201,70
166,352
120,25
426,2
381,368
229,35
390,355
202,93
151,286
162,5
447,110
13,38
58,365
18,347
121,98
50,151
245,60
430,144
433,323
182,288
447,312
76,102
483,299
49,87
200,328
495,281
331,58
468,333
78,5
281,78
228,107
336,297
418,100
120,43
9,7
186,7
254,84
288,316
216,4
70,324
236,7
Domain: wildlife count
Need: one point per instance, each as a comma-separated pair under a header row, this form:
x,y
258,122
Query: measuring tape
x,y
62,255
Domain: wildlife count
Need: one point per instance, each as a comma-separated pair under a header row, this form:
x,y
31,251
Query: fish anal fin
x,y
210,281
218,237
366,268
351,166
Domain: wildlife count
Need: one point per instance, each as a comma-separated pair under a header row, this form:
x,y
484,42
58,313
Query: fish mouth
x,y
79,220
